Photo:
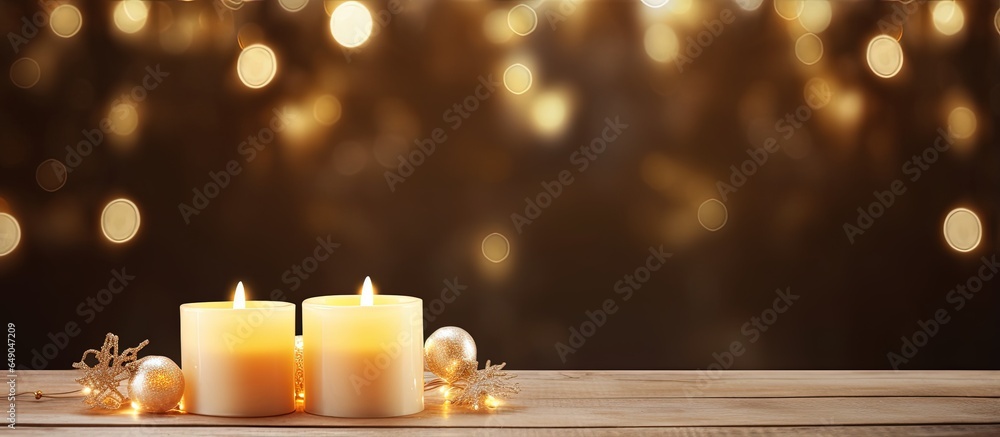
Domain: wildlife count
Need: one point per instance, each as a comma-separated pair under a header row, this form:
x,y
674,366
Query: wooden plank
x,y
622,398
823,431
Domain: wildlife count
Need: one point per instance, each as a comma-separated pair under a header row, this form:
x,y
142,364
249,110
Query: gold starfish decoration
x,y
101,382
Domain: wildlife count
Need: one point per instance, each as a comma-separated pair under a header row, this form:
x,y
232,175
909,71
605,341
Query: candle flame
x,y
240,300
367,293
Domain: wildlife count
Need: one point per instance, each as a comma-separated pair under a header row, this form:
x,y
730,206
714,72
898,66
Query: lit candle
x,y
363,354
238,357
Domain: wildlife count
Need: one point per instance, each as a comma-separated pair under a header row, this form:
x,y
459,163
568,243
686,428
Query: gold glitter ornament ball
x,y
450,353
157,385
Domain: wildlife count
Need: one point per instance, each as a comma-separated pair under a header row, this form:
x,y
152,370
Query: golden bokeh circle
x,y
962,122
749,5
962,229
120,220
885,56
996,21
809,49
816,15
550,111
517,79
496,247
351,24
522,19
788,9
123,118
51,175
65,20
293,5
25,73
655,4
256,66
130,15
327,109
661,43
712,214
948,17
10,233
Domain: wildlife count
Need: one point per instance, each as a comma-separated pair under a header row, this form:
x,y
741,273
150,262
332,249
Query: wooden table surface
x,y
607,402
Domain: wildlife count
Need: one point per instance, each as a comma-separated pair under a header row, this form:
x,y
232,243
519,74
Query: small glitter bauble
x,y
450,353
157,385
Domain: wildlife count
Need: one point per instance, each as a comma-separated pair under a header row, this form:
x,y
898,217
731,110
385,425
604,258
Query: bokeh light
x,y
948,17
10,233
496,247
885,56
962,230
522,19
996,21
655,3
550,111
256,66
293,5
962,122
65,20
130,15
749,5
788,9
51,175
249,35
25,73
661,43
120,220
495,26
517,79
816,15
351,24
124,118
712,214
809,49
326,109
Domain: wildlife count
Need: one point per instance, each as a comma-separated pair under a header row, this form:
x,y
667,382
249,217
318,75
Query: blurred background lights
x,y
249,35
788,9
809,48
496,27
655,3
120,220
816,15
712,214
496,248
517,79
522,19
25,73
326,109
65,20
550,112
948,17
962,122
749,5
10,233
293,5
256,66
51,175
885,56
661,43
130,15
124,119
962,229
996,21
351,24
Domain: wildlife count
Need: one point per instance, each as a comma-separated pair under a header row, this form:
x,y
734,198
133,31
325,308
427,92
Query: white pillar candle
x,y
363,355
238,357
